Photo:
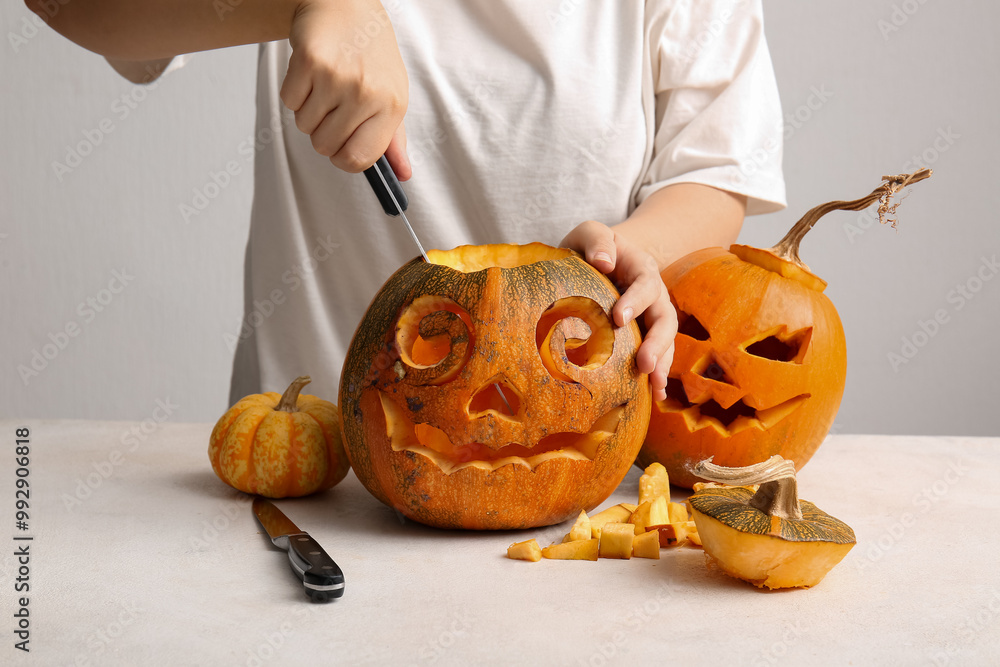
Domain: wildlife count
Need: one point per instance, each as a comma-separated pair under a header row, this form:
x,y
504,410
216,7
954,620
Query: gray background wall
x,y
868,86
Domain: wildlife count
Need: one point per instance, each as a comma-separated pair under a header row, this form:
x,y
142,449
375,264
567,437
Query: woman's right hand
x,y
347,84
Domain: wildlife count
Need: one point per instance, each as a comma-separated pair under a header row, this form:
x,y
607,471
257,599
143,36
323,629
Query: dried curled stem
x,y
778,492
289,400
788,247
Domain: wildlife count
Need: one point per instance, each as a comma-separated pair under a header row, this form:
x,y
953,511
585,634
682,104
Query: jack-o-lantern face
x,y
490,389
759,367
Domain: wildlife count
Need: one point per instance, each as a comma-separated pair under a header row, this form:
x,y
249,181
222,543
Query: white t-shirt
x,y
525,119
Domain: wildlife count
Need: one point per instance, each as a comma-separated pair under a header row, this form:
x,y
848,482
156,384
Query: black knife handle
x,y
321,577
382,166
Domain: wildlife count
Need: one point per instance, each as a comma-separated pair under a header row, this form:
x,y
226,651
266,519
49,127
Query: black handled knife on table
x,y
393,200
321,577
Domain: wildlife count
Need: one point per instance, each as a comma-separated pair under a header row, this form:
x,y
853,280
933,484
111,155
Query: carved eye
x,y
434,338
779,346
574,335
688,325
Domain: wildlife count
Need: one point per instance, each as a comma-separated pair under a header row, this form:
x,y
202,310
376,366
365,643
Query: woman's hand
x,y
347,86
634,270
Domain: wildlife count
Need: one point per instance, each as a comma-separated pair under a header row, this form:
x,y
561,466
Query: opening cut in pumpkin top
x,y
472,258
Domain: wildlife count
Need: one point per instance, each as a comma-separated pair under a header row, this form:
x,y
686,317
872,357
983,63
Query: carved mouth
x,y
432,443
726,421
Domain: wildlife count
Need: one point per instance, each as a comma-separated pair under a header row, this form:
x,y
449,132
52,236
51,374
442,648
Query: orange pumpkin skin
x,y
424,427
768,377
258,448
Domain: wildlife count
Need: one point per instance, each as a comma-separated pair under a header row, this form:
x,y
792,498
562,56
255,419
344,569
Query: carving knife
x,y
393,200
390,194
321,577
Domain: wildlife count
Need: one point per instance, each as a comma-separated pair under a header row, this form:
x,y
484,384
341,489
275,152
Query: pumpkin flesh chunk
x,y
646,545
580,529
616,514
616,540
434,444
655,482
585,549
527,550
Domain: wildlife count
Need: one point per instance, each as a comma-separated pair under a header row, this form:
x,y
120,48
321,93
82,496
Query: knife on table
x,y
393,200
321,577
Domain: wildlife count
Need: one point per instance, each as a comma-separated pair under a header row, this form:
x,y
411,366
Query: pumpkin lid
x,y
774,509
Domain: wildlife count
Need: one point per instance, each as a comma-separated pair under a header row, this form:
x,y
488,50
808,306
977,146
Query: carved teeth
x,y
762,419
431,443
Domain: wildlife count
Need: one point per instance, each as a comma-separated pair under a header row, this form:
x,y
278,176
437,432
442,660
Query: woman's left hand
x,y
635,271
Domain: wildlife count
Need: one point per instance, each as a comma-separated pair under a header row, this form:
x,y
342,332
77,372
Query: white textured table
x,y
143,557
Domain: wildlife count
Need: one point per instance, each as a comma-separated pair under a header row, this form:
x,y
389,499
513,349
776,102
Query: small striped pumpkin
x,y
279,446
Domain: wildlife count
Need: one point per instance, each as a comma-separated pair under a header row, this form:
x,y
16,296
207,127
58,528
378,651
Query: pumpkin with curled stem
x,y
279,446
766,536
489,389
760,357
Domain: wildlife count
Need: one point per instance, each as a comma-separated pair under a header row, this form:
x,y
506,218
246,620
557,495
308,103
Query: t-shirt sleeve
x,y
713,99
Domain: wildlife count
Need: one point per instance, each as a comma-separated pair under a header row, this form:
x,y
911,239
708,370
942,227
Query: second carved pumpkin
x,y
760,359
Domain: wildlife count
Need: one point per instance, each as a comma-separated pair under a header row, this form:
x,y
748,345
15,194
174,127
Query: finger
x,y
656,351
657,344
597,243
366,145
644,287
396,155
296,86
336,130
314,110
658,380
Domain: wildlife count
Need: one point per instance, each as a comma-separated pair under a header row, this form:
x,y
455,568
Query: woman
x,y
622,127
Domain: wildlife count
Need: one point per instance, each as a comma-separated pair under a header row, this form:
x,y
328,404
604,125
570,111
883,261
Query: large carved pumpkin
x,y
489,389
760,359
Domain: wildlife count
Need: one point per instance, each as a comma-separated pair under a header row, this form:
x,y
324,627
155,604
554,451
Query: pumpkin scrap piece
x,y
655,482
650,513
580,529
615,514
573,550
527,550
616,540
767,537
692,533
646,545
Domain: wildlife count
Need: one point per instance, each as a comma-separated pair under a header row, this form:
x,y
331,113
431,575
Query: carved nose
x,y
498,396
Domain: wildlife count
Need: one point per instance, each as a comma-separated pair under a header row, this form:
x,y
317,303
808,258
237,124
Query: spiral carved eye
x,y
574,335
434,338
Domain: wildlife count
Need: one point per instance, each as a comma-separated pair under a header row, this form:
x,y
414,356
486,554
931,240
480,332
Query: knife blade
x,y
321,577
393,199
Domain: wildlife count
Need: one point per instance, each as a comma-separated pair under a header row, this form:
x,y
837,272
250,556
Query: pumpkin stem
x,y
289,400
788,247
778,493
